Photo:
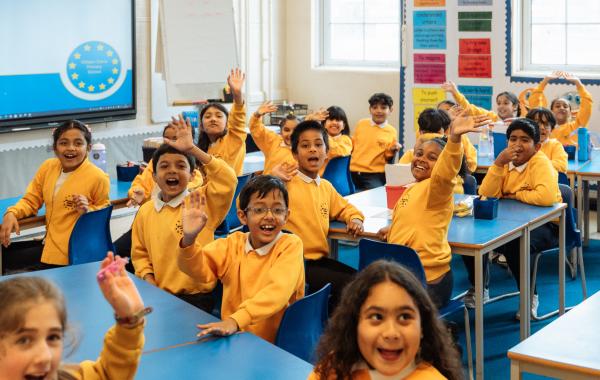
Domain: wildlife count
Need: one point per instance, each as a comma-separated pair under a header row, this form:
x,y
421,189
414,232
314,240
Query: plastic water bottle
x,y
98,156
583,141
484,148
492,153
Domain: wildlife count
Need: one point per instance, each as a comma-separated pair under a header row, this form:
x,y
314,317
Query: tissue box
x,y
393,193
127,173
487,209
571,151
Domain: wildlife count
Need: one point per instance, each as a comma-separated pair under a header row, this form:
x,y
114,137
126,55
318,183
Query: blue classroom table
x,y
475,237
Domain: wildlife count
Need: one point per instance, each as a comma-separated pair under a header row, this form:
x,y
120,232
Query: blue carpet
x,y
501,327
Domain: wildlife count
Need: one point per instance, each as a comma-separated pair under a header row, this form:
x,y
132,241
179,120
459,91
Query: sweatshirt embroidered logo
x,y
69,203
324,211
179,228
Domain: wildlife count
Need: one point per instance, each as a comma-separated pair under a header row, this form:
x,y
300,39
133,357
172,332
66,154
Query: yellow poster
x,y
428,95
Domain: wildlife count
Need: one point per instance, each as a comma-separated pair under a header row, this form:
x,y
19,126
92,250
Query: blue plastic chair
x,y
572,241
232,222
500,143
303,323
563,179
470,185
90,238
338,173
373,250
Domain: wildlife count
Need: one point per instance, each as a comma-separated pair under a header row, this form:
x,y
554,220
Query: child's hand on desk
x,y
81,204
224,328
137,197
355,227
285,171
184,142
235,80
193,217
383,233
9,224
149,278
265,108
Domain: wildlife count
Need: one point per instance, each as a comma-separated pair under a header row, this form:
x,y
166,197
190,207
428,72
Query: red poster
x,y
474,46
430,73
475,66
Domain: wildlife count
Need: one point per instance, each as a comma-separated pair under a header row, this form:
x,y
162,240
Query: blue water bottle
x,y
583,139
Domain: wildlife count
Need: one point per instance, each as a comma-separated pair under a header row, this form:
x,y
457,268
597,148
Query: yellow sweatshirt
x,y
563,132
339,146
462,101
424,371
537,184
371,143
469,151
312,206
156,234
556,153
119,357
145,181
422,215
61,214
271,144
232,147
258,285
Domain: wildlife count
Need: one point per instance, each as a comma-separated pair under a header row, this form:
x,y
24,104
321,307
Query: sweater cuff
x,y
454,147
242,318
128,338
496,170
187,252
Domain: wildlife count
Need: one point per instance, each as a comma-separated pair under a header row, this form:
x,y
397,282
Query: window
x,y
556,35
360,33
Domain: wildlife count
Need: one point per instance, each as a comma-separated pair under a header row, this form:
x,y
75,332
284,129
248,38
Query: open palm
x,y
463,123
184,141
193,214
235,80
266,107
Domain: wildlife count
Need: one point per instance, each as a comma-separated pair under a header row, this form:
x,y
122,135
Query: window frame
x,y
324,43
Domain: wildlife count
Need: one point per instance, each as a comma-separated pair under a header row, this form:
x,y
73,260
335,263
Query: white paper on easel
x,y
398,174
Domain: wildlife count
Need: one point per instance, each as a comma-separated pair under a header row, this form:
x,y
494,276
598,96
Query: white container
x,y
484,146
98,156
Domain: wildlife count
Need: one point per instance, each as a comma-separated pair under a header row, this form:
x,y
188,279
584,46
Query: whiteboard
x,y
198,46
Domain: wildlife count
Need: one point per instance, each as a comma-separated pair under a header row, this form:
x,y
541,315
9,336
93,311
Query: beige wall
x,y
349,89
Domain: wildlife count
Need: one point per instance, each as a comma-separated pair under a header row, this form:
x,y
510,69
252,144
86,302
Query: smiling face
x,y
334,127
506,108
311,152
265,217
426,154
389,328
287,129
35,350
214,122
545,128
172,175
71,149
523,146
380,112
561,110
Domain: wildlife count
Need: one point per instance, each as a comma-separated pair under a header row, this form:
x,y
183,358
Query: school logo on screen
x,y
93,71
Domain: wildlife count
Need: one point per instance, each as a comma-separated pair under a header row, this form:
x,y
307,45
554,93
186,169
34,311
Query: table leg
x,y
561,263
515,370
334,248
586,213
525,304
478,315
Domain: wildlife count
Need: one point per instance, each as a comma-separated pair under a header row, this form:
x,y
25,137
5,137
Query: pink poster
x,y
430,68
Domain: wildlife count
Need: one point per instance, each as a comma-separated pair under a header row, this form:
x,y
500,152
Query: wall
x,y
319,87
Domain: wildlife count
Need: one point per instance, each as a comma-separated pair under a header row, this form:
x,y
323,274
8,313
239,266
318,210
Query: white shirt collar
x,y
375,375
265,249
379,125
520,169
307,179
175,202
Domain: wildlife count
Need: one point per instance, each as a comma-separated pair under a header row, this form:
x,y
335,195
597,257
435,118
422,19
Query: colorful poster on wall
x,y
430,3
475,2
429,29
474,60
430,68
474,21
480,96
424,98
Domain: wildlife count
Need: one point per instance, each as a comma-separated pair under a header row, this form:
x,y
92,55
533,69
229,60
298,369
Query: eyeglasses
x,y
262,211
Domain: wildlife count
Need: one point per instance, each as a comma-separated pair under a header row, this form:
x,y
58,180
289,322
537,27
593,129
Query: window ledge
x,y
359,69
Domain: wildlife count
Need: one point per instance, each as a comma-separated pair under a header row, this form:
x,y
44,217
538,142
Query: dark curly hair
x,y
338,348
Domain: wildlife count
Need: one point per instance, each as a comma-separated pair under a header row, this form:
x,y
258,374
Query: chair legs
x,y
468,339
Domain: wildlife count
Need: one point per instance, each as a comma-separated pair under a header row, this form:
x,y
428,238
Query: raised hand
x,y
235,80
183,142
224,328
119,290
265,108
454,111
193,217
318,115
463,123
450,87
81,204
571,78
10,224
285,171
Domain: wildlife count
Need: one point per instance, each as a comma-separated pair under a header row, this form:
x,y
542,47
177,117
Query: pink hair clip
x,y
113,267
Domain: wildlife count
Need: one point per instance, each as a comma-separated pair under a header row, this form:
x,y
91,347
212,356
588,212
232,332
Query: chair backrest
x,y
500,143
572,234
231,219
563,179
470,185
373,250
90,238
303,323
338,173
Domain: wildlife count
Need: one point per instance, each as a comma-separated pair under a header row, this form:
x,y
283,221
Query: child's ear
x,y
391,108
88,149
242,217
537,146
